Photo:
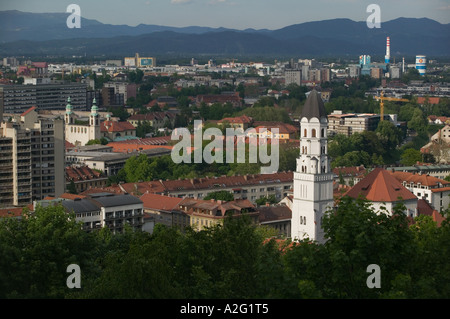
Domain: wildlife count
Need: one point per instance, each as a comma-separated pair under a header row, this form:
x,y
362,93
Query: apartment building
x,y
251,187
19,98
165,210
84,178
204,213
126,89
107,210
347,124
109,163
32,159
293,76
434,190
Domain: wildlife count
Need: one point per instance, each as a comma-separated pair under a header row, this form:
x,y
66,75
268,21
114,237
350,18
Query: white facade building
x,y
313,179
79,133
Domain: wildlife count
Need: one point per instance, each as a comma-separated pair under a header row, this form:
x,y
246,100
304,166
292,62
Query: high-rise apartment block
x,y
19,98
31,158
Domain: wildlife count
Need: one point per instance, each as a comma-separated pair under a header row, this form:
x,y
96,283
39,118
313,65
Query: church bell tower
x,y
313,179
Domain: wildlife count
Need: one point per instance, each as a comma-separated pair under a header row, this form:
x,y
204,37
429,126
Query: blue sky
x,y
238,14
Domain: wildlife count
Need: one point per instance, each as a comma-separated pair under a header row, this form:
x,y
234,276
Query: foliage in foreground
x,y
232,260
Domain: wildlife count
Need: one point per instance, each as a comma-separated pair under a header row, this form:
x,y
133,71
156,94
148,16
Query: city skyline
x,y
235,14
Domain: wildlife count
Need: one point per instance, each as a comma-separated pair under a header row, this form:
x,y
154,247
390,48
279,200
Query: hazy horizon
x,y
234,14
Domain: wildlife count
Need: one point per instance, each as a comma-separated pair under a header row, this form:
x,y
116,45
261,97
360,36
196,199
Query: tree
x,y
418,122
271,199
143,128
36,251
358,236
220,195
389,134
137,168
94,142
411,156
72,188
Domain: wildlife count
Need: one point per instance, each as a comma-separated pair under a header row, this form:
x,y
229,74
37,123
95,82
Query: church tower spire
x,y
94,122
313,179
94,114
68,118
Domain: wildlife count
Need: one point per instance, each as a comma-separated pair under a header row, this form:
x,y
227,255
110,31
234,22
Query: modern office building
x,y
293,76
350,123
19,98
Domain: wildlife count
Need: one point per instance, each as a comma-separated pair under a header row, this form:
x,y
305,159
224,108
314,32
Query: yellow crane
x,y
382,98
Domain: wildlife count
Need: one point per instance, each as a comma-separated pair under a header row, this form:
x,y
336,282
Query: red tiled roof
x,y
11,212
82,173
441,189
160,140
143,187
380,186
431,99
283,128
219,207
244,119
209,183
68,145
127,147
226,181
274,213
424,208
160,202
438,218
71,196
423,179
349,171
112,126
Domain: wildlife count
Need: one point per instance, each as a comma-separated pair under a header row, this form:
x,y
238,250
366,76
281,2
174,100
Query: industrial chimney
x,y
387,57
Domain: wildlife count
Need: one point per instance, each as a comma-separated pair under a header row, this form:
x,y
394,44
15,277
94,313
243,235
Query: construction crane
x,y
382,98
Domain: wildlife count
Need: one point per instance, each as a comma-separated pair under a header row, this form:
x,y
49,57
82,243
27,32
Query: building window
x,y
323,133
313,132
304,133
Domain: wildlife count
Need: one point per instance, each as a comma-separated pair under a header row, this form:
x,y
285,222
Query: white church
x,y
79,133
313,178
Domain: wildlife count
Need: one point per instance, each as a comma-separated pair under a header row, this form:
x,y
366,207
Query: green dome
x,y
94,108
68,106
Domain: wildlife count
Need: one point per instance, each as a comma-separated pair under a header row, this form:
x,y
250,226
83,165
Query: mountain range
x,y
23,33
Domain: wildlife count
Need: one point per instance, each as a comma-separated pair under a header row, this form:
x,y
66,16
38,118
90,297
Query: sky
x,y
237,14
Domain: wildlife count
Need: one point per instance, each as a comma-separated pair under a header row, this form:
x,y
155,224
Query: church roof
x,y
380,186
314,106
